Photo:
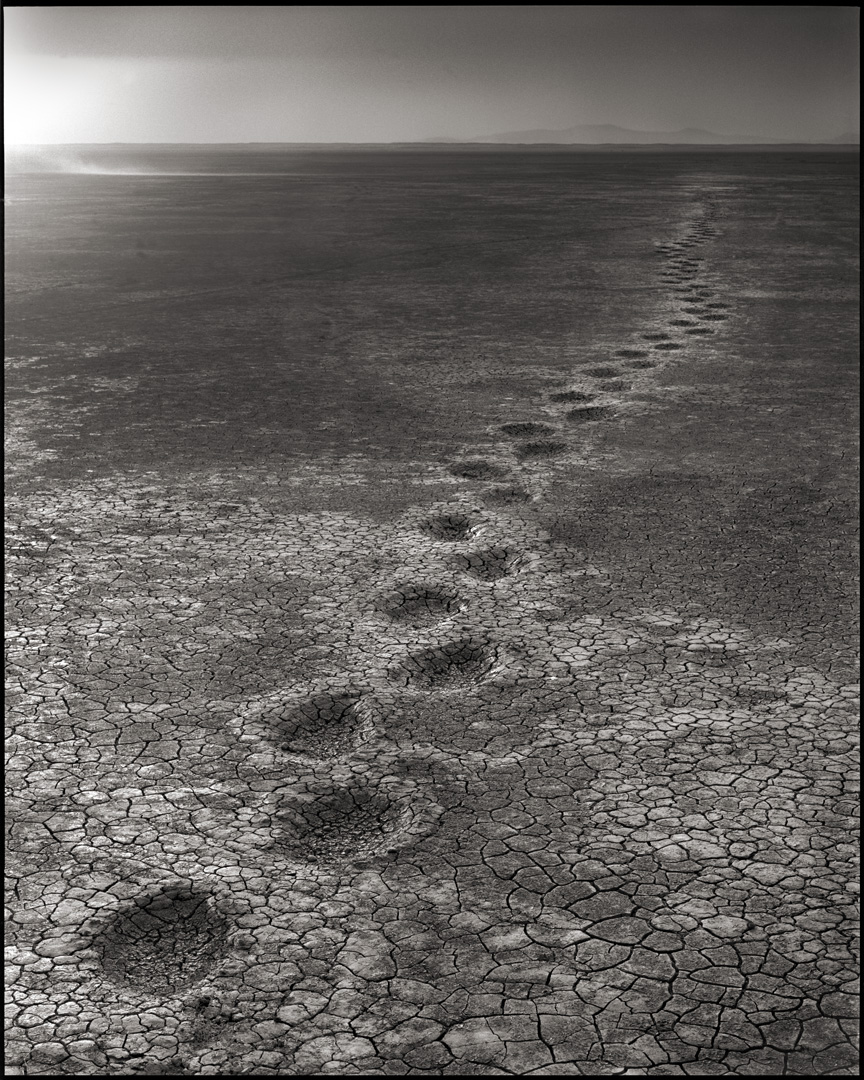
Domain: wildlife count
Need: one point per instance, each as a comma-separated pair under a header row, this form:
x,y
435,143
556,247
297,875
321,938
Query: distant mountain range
x,y
597,134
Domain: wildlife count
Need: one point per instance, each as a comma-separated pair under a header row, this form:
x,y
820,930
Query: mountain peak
x,y
594,134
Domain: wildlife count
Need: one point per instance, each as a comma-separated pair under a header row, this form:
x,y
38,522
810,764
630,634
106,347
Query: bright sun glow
x,y
25,104
51,99
35,109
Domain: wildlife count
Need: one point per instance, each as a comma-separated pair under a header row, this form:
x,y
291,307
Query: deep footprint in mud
x,y
542,448
449,527
527,428
322,727
489,565
163,942
344,825
478,469
572,395
602,372
506,496
590,412
420,604
455,665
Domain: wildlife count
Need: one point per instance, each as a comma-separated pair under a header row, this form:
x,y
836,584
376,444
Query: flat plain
x,y
431,613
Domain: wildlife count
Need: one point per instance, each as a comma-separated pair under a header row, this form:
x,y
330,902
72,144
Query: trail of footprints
x,y
445,633
335,807
329,791
331,722
431,629
602,387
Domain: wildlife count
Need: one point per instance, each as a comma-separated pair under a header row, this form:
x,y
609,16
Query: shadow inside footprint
x,y
419,604
541,448
574,395
523,430
757,695
631,354
452,666
344,825
477,469
488,565
602,372
449,527
163,942
323,727
506,496
591,412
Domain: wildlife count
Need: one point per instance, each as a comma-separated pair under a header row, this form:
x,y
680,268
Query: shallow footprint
x,y
591,412
322,727
419,604
343,825
451,666
506,496
528,428
541,448
604,372
449,527
163,942
477,469
489,565
572,395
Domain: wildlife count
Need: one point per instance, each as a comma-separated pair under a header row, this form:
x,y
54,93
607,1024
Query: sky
x,y
400,74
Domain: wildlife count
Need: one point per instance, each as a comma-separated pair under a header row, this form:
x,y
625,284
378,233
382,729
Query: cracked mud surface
x,y
392,693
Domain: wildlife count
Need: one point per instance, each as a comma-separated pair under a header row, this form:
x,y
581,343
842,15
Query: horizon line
x,y
434,141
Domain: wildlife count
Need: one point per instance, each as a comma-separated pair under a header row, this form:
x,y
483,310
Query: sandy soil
x,y
431,617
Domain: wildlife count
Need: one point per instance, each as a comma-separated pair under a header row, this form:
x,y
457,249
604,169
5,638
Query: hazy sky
x,y
380,74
